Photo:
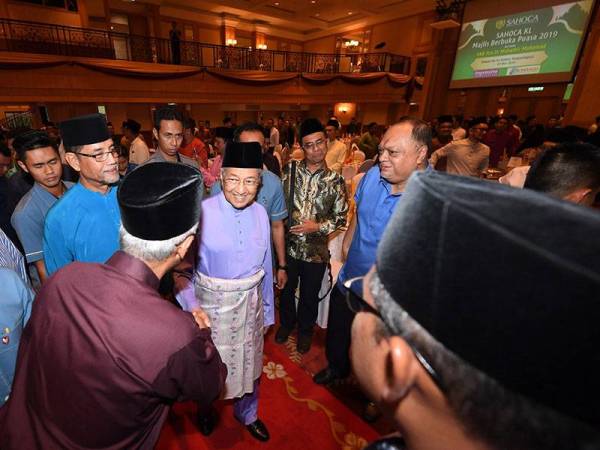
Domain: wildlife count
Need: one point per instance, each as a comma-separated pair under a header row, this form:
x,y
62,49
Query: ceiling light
x,y
349,13
313,1
276,3
317,15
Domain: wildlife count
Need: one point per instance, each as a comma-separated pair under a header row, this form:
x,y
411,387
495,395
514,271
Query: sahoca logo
x,y
500,24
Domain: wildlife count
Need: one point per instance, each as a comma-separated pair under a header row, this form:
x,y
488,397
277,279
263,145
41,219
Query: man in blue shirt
x,y
403,149
38,156
270,195
15,307
84,224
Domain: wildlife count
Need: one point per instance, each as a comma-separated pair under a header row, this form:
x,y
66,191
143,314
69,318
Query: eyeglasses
x,y
101,157
248,182
357,304
312,145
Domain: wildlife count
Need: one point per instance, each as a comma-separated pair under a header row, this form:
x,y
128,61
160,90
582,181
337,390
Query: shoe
x,y
258,430
304,342
326,376
206,423
371,413
282,335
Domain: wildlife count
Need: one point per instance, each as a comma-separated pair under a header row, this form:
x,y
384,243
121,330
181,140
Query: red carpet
x,y
299,415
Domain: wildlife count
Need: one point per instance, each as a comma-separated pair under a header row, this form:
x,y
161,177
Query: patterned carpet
x,y
298,413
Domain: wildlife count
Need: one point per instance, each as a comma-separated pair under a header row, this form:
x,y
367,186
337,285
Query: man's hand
x,y
201,318
281,278
306,227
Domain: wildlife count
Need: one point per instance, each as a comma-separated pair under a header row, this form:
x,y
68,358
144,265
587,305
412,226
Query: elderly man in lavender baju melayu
x,y
233,282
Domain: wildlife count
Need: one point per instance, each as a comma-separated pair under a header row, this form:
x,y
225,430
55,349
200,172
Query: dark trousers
x,y
339,323
310,276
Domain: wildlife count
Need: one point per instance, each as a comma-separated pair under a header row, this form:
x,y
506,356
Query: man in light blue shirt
x,y
270,195
15,308
38,156
84,224
403,149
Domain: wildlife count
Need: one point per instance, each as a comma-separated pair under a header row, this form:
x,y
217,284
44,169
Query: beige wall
x,y
323,45
400,36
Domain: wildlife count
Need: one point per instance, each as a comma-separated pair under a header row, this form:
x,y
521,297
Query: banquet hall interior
x,y
511,77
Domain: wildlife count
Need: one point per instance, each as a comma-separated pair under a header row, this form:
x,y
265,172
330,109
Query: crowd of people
x,y
137,271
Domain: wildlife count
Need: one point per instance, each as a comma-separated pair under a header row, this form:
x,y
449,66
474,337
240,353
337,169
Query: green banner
x,y
542,41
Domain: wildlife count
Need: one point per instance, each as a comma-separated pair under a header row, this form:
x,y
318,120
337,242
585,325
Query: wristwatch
x,y
284,268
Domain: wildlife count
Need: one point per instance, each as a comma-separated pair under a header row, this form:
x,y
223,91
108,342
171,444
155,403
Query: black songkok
x,y
225,133
507,279
243,155
84,130
160,200
132,125
310,126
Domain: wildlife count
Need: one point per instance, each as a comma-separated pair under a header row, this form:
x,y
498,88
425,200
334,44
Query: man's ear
x,y
73,161
402,368
23,166
155,133
182,248
579,196
422,155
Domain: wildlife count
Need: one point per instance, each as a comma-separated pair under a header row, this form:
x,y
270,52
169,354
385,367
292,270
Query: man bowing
x,y
103,355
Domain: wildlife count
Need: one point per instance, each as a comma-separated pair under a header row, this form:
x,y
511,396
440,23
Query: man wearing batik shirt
x,y
318,208
104,356
233,282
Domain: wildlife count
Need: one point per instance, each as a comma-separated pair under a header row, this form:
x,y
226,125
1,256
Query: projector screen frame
x,y
519,80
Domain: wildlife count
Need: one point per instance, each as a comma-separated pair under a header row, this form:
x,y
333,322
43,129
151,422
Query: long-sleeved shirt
x,y
102,358
320,197
234,244
15,308
464,157
11,257
82,226
498,142
336,155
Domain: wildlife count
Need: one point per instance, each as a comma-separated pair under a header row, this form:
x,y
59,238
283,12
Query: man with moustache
x,y
84,224
233,282
403,149
38,156
317,196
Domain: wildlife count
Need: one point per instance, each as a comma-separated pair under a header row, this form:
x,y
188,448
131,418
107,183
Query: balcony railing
x,y
33,37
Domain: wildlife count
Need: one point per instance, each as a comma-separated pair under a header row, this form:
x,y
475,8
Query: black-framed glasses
x,y
101,157
357,304
312,145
